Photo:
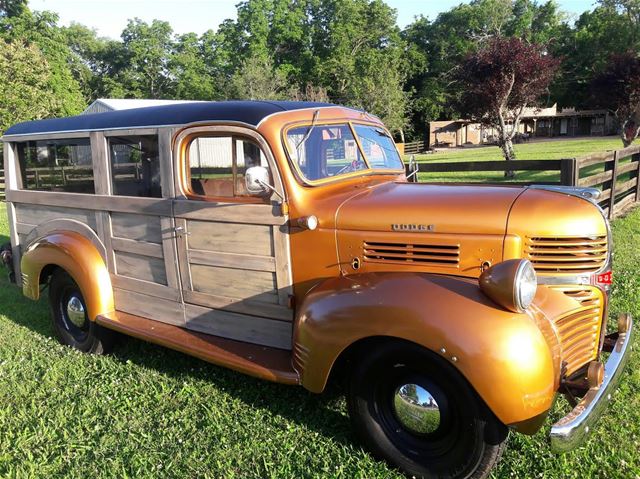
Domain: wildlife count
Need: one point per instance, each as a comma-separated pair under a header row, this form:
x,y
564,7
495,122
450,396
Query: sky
x,y
109,17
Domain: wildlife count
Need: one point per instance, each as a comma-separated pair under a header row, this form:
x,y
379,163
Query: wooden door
x,y
233,249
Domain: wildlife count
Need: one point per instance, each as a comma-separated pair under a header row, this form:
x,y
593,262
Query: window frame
x,y
183,174
14,142
107,135
353,174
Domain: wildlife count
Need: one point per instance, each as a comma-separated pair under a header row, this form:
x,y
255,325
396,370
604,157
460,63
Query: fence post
x,y
614,178
636,157
569,172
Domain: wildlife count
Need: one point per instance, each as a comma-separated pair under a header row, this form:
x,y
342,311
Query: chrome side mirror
x,y
256,180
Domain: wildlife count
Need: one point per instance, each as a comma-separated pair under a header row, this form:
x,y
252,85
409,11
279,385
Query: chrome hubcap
x,y
416,409
75,311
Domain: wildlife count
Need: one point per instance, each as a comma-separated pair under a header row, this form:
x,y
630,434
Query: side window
x,y
57,165
216,165
135,166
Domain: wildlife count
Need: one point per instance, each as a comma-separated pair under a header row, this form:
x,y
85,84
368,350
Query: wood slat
x,y
234,283
633,166
232,260
596,179
272,333
230,238
152,307
243,306
137,247
145,287
124,204
229,212
37,214
623,187
136,227
140,267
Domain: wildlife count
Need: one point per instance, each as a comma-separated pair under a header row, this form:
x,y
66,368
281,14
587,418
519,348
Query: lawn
x,y
145,411
540,150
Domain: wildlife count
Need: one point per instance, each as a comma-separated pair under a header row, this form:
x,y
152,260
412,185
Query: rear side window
x,y
57,165
135,166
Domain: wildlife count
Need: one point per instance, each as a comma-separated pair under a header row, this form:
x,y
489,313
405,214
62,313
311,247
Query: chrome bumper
x,y
571,430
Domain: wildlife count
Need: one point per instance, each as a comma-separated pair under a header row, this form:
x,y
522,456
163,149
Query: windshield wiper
x,y
308,132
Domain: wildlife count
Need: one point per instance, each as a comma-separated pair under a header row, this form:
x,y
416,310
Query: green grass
x,y
541,150
145,411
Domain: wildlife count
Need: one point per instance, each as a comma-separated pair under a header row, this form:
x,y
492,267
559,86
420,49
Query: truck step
x,y
259,361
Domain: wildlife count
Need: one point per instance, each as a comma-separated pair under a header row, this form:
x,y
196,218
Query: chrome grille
x,y
402,253
579,329
572,255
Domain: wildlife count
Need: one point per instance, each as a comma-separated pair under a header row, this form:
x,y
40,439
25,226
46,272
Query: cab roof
x,y
249,112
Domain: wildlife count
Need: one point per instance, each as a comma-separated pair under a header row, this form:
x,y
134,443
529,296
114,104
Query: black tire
x,y
86,335
467,440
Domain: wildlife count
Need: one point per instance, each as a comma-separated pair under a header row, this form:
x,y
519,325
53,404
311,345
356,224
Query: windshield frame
x,y
368,171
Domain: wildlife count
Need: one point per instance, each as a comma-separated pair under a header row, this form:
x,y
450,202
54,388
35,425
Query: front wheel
x,y
70,319
414,410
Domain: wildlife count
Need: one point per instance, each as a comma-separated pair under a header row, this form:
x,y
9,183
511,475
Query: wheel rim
x,y
429,442
74,315
416,409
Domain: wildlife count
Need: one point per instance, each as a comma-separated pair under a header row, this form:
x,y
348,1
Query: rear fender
x,y
79,257
503,355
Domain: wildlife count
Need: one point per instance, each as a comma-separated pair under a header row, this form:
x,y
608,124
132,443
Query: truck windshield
x,y
327,151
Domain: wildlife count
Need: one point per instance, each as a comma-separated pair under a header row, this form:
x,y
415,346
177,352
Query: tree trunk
x,y
506,145
630,131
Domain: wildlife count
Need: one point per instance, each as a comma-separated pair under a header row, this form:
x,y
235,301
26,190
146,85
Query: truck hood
x,y
429,208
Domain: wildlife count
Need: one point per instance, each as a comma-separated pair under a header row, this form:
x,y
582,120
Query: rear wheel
x,y
414,410
70,319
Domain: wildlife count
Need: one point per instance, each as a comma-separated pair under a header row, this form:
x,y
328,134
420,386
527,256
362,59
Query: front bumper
x,y
570,431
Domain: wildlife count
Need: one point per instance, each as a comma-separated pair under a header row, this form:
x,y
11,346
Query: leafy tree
x,y
40,29
257,79
25,92
12,8
192,78
499,81
148,50
617,87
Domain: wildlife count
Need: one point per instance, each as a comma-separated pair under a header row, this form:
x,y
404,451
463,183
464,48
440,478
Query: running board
x,y
259,361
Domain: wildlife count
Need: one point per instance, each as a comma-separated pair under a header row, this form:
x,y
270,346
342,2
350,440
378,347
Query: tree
x,y
617,88
149,48
40,29
499,81
257,79
25,92
12,8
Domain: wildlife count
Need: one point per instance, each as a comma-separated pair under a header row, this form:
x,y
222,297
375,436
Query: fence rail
x,y
415,147
596,171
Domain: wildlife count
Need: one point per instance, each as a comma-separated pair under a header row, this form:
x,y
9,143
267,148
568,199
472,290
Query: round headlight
x,y
525,285
512,284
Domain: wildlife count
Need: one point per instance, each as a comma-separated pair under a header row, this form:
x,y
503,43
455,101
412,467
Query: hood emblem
x,y
399,227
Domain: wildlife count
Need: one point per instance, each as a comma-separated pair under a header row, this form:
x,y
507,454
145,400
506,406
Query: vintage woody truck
x,y
284,240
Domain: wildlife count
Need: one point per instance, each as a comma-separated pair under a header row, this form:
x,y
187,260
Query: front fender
x,y
79,257
509,358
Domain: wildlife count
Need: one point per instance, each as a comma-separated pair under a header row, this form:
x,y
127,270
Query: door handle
x,y
180,231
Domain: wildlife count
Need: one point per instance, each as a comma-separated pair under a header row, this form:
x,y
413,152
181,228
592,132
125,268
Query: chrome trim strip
x,y
570,431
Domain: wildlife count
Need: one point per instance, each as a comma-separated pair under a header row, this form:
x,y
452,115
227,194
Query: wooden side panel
x,y
277,334
38,214
136,227
230,238
152,307
141,267
234,283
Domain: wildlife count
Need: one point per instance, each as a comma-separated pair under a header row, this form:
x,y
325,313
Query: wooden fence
x,y
415,147
615,173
